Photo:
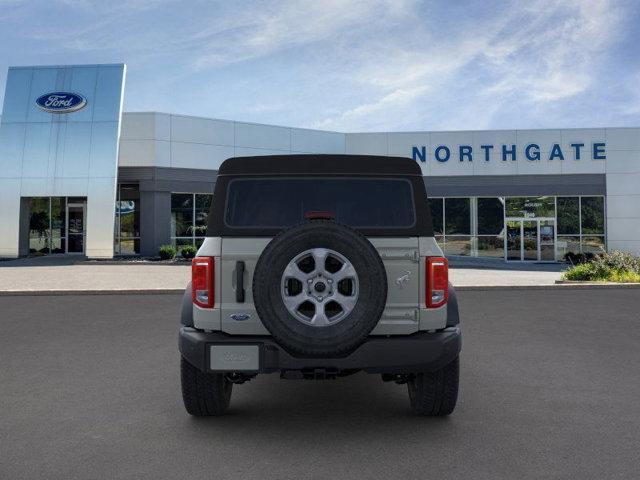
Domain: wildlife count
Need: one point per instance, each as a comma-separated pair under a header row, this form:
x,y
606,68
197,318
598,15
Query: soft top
x,y
320,164
300,168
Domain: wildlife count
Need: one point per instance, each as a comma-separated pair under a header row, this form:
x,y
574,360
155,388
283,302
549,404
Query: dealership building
x,y
80,176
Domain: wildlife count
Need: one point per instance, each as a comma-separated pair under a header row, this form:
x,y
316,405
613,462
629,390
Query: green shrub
x,y
576,258
615,266
188,251
167,252
617,260
582,271
624,277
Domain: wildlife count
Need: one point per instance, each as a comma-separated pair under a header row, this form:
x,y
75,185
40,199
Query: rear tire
x,y
434,394
204,394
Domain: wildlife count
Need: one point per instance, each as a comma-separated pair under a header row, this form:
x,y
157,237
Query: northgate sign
x,y
531,152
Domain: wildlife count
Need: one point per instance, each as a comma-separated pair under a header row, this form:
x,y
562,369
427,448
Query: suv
x,y
319,266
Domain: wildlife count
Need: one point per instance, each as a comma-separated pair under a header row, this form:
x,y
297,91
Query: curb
x,y
581,282
459,288
551,286
181,263
156,291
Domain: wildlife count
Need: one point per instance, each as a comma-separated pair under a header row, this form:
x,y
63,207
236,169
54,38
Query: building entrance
x,y
530,239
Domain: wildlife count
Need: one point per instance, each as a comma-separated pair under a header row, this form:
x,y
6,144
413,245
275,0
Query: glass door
x,y
75,227
530,240
513,246
547,240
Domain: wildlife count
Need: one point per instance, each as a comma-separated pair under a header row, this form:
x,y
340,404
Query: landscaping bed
x,y
167,255
614,267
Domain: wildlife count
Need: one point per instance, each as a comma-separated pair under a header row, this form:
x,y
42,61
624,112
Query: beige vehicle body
x,y
317,267
404,314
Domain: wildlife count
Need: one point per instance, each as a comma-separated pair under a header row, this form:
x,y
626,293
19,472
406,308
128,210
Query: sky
x,y
350,65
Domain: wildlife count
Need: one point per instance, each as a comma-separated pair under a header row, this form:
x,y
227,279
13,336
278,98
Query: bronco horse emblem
x,y
402,279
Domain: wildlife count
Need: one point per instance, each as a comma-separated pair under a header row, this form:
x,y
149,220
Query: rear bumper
x,y
420,352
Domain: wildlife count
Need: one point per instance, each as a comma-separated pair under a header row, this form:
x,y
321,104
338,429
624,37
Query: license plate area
x,y
234,358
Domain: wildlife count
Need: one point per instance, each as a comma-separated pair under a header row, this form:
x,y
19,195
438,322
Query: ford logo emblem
x,y
240,317
61,102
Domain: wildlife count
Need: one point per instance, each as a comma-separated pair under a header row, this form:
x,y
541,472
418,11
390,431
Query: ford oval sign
x,y
61,102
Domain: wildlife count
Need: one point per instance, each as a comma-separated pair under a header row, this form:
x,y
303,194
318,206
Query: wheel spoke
x,y
293,271
293,302
319,258
347,271
346,302
319,287
320,318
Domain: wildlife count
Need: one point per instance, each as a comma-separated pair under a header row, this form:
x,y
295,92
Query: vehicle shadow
x,y
306,410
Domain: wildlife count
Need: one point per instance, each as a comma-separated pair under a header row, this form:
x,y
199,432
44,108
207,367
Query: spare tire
x,y
319,288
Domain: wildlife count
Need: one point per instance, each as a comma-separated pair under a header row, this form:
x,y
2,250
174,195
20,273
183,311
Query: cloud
x,y
551,58
285,25
630,105
343,64
397,98
535,55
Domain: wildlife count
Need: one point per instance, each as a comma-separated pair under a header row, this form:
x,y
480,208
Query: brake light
x,y
437,279
319,215
202,283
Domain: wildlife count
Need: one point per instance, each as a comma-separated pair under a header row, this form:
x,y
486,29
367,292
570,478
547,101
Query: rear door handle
x,y
240,281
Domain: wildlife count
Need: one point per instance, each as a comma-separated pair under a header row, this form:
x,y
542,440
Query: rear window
x,y
357,202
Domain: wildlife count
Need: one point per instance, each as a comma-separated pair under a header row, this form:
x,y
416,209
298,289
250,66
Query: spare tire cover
x,y
319,288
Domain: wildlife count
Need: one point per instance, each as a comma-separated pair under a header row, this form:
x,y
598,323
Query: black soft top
x,y
320,164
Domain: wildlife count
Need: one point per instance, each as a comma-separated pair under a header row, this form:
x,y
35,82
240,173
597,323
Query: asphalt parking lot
x,y
89,388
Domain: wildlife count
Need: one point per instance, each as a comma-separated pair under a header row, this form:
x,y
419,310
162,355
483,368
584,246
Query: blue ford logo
x,y
61,102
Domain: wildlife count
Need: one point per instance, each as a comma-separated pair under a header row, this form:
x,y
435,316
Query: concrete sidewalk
x,y
68,274
474,272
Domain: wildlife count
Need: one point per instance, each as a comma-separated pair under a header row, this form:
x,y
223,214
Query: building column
x,y
100,213
9,217
155,221
25,218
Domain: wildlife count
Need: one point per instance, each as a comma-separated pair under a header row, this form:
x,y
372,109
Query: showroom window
x,y
457,226
592,215
437,217
580,225
451,219
189,212
457,216
592,220
490,238
568,216
47,225
474,226
127,226
57,225
530,207
568,225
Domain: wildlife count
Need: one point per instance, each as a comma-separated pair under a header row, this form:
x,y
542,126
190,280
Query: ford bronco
x,y
315,267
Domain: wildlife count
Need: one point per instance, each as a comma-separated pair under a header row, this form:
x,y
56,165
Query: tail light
x,y
437,279
202,283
